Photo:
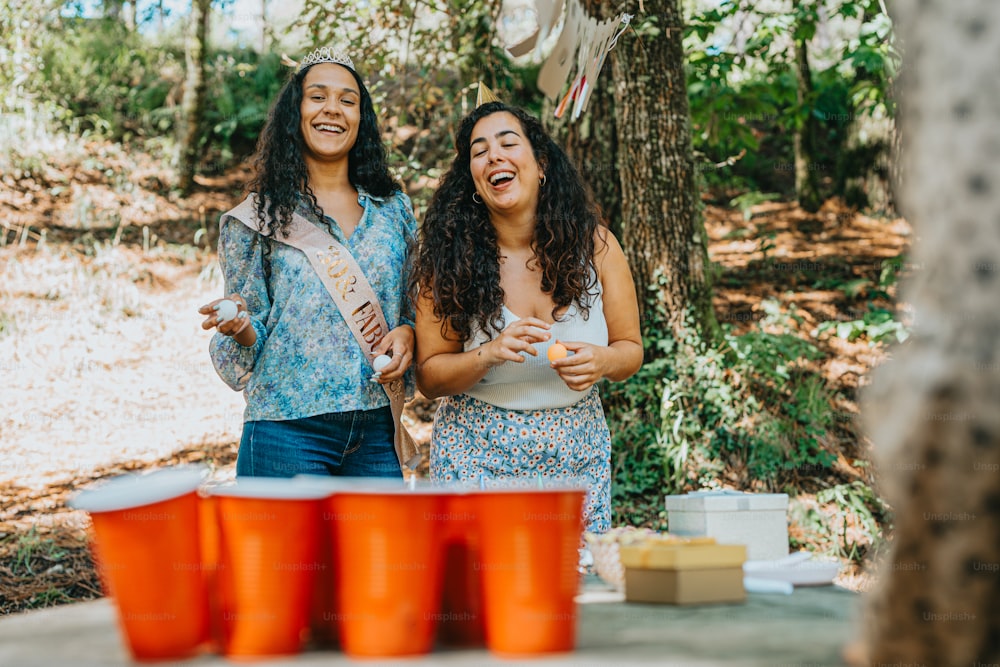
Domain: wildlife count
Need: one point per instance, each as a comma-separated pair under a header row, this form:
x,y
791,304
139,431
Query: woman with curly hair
x,y
311,407
514,270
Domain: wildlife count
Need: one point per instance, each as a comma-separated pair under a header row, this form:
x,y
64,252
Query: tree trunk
x,y
130,11
113,9
932,410
866,163
193,102
871,151
806,164
263,27
663,234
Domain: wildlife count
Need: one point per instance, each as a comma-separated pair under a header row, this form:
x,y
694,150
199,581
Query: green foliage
x,y
422,59
639,465
766,243
25,29
639,459
872,56
745,406
107,76
732,114
743,90
109,80
856,504
744,412
32,547
420,62
48,598
746,201
878,324
32,139
37,128
243,86
8,324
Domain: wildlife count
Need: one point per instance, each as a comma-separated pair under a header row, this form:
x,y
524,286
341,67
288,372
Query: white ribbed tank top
x,y
534,384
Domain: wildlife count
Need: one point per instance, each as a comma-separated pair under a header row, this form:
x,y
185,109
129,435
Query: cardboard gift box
x,y
678,571
757,520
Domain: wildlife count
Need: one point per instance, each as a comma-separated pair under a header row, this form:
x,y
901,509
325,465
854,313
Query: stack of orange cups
x,y
529,541
269,559
387,568
145,539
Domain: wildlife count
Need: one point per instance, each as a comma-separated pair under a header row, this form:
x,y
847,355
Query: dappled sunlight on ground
x,y
107,361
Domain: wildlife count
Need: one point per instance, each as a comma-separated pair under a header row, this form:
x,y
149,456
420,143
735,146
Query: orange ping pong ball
x,y
557,351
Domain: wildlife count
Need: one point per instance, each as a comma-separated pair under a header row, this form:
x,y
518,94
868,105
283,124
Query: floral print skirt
x,y
475,443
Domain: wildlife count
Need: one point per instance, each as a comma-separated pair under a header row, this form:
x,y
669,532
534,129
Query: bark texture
x,y
866,163
932,411
662,230
193,101
633,147
807,166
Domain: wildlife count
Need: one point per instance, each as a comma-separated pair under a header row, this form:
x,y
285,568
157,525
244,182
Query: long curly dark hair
x,y
280,174
458,264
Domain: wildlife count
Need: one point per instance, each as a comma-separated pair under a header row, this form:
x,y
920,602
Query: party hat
x,y
485,95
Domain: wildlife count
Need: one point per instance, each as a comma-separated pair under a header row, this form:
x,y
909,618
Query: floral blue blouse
x,y
306,361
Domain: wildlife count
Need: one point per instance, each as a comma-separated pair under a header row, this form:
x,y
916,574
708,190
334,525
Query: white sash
x,y
355,299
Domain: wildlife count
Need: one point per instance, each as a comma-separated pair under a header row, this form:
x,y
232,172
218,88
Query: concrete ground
x,y
805,629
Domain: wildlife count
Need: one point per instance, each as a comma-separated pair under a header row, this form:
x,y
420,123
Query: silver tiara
x,y
325,54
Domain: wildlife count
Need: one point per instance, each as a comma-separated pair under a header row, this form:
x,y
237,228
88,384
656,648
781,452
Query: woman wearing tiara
x,y
311,405
515,270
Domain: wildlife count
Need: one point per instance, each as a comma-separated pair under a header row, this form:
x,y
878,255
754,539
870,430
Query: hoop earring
x,y
541,181
475,198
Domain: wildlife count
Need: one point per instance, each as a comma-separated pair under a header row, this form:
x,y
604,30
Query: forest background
x,y
742,151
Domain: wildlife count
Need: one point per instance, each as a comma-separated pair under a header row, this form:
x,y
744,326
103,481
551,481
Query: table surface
x,y
809,627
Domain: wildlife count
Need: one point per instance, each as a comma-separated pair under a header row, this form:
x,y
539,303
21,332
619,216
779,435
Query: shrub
x,y
242,85
745,412
108,77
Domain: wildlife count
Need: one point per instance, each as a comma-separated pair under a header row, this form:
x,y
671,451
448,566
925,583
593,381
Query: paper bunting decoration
x,y
580,51
546,12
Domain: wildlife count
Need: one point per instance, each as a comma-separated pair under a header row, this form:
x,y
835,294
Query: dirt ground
x,y
105,366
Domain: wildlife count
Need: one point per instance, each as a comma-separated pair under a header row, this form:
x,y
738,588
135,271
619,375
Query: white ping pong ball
x,y
227,310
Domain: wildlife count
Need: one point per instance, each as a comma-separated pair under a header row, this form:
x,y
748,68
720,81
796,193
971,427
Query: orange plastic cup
x,y
324,625
387,567
145,537
462,620
269,559
323,616
529,540
209,524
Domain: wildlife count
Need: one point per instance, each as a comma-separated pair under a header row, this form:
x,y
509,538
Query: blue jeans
x,y
356,443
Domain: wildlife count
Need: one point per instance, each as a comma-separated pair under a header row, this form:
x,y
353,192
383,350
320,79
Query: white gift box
x,y
758,520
